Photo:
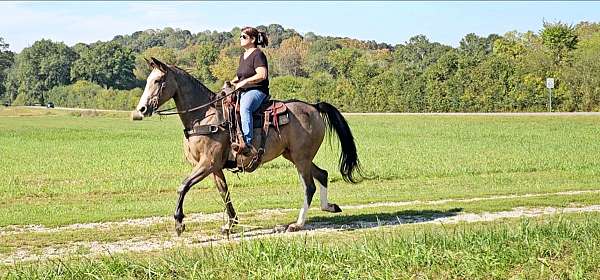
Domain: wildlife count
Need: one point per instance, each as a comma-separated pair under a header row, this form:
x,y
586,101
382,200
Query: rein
x,y
165,112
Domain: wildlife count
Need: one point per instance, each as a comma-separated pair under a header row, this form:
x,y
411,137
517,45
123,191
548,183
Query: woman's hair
x,y
261,37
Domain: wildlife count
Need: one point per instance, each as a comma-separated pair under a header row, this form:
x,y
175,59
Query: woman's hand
x,y
241,84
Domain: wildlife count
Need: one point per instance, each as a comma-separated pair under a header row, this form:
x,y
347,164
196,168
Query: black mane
x,y
198,86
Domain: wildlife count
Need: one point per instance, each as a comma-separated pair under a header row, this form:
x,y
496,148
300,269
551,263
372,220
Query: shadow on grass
x,y
343,222
360,221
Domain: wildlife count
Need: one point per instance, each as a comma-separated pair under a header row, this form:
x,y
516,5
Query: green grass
x,y
60,167
64,169
564,247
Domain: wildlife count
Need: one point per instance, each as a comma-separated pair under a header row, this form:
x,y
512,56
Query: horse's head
x,y
160,87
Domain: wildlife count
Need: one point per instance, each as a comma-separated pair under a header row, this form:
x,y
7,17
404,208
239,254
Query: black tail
x,y
349,163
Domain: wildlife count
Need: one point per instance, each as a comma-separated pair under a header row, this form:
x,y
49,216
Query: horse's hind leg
x,y
306,180
221,184
321,176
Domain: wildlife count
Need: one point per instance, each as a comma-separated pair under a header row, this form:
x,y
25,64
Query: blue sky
x,y
22,23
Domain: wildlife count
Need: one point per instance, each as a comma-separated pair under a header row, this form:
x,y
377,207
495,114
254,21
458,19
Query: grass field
x,y
58,168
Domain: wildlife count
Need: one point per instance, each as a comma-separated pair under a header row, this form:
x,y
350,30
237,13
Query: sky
x,y
447,22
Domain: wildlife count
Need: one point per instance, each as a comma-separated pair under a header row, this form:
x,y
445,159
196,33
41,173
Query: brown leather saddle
x,y
271,113
276,112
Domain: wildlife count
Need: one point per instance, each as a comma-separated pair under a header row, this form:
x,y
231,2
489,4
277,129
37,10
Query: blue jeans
x,y
249,102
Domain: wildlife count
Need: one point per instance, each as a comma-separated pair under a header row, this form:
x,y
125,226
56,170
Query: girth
x,y
201,130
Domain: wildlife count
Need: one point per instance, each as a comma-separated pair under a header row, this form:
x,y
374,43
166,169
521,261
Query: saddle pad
x,y
258,120
270,106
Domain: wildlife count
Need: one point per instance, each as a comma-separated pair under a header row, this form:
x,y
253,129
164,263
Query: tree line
x,y
494,73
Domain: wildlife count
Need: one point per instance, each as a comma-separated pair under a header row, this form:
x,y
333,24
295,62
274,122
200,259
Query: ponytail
x,y
262,39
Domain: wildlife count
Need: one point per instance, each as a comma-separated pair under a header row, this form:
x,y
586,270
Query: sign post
x,y
550,86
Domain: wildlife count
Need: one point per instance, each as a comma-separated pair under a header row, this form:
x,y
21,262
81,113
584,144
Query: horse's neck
x,y
191,96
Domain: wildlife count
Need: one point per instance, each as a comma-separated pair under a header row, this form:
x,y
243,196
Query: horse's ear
x,y
160,65
150,63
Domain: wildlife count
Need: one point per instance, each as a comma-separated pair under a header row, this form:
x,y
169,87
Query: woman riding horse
x,y
208,144
253,81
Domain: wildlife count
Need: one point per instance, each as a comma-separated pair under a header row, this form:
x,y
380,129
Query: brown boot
x,y
236,147
244,149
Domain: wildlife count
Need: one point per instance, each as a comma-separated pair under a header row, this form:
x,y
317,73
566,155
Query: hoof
x,y
336,208
226,229
332,208
294,227
279,229
179,228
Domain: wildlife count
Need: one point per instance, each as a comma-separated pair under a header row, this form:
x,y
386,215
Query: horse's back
x,y
301,137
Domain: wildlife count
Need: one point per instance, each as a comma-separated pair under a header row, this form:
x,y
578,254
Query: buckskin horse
x,y
207,141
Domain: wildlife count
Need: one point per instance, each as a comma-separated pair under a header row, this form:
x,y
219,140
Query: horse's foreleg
x,y
199,173
221,184
308,184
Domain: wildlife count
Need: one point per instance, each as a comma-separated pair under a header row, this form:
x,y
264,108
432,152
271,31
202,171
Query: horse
x,y
209,149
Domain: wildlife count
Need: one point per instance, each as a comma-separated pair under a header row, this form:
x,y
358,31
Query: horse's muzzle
x,y
136,115
146,111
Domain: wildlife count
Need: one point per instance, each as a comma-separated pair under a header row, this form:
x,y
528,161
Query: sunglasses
x,y
244,36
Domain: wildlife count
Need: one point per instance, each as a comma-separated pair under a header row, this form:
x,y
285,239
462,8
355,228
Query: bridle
x,y
166,112
206,129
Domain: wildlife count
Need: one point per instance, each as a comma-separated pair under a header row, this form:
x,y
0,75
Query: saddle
x,y
275,110
271,113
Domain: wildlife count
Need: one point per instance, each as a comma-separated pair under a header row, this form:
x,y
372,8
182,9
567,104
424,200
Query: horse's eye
x,y
158,81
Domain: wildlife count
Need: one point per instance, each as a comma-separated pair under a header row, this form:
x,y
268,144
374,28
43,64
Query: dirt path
x,y
193,239
200,217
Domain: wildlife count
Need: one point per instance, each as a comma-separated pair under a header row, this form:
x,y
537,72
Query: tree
x,y
37,69
219,39
291,56
586,30
108,64
477,47
559,38
226,65
438,86
198,59
276,34
418,53
6,61
509,47
316,57
142,70
582,86
343,60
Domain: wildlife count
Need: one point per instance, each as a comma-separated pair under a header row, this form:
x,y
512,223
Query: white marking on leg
x,y
324,201
304,210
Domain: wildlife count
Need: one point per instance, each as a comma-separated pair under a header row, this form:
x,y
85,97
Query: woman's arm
x,y
261,75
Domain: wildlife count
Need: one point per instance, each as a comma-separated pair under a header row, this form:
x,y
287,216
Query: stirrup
x,y
244,149
236,147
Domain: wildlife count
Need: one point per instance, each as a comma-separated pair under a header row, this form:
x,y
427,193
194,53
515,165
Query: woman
x,y
252,78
